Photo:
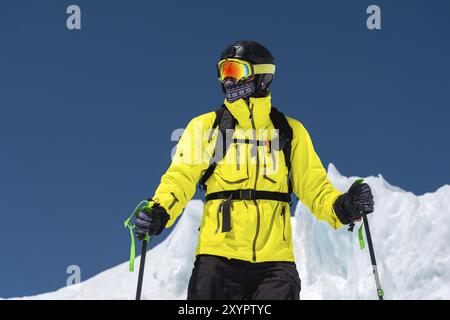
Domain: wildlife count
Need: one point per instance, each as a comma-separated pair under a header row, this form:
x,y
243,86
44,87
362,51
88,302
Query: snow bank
x,y
411,236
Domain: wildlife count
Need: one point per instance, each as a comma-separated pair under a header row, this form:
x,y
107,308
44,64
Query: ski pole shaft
x,y
141,269
372,258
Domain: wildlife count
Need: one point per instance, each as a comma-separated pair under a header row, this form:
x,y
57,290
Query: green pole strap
x,y
361,237
127,224
362,245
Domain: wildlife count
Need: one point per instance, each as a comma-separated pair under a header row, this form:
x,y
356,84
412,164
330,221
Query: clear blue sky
x,y
86,116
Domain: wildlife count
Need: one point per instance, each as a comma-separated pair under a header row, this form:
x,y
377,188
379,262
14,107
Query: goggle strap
x,y
264,68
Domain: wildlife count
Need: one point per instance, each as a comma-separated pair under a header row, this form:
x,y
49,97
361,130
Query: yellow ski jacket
x,y
261,229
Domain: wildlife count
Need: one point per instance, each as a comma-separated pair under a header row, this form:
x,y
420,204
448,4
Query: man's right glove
x,y
355,203
151,223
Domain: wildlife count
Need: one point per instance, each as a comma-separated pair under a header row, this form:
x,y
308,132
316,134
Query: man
x,y
245,247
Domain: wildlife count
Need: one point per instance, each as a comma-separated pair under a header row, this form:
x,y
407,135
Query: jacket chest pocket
x,y
274,168
233,168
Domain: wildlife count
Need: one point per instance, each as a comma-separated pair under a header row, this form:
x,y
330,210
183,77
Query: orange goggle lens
x,y
234,69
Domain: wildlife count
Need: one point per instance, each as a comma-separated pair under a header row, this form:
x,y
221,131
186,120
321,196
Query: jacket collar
x,y
261,111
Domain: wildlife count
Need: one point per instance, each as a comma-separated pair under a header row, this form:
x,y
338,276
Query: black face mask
x,y
237,90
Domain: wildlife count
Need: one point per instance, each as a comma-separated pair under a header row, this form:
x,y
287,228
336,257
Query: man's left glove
x,y
151,223
355,203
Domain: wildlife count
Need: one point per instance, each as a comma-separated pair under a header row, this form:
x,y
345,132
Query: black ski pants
x,y
219,278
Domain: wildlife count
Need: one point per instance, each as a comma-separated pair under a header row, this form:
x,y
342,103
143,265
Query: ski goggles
x,y
241,69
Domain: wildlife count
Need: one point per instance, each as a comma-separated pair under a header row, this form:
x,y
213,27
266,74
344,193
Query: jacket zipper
x,y
238,157
258,214
175,200
272,155
274,161
265,176
283,214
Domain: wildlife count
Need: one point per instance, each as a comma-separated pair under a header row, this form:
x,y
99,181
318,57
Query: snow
x,y
410,235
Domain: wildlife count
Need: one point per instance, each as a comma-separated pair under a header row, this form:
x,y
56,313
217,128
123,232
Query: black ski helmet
x,y
254,53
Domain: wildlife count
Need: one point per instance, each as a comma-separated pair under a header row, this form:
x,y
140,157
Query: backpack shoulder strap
x,y
224,121
285,134
219,112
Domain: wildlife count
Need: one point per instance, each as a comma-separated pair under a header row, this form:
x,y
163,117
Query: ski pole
x,y
380,291
141,269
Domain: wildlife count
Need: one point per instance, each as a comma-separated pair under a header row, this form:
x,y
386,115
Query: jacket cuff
x,y
339,210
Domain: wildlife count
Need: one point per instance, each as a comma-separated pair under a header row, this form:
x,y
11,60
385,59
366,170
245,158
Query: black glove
x,y
151,222
355,203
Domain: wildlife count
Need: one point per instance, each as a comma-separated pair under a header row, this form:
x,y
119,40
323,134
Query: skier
x,y
245,246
